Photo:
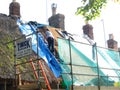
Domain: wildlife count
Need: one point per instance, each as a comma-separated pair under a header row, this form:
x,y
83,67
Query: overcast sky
x,y
40,11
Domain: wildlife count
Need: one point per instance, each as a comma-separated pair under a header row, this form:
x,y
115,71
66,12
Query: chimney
x,y
56,20
54,7
14,0
112,44
88,30
14,9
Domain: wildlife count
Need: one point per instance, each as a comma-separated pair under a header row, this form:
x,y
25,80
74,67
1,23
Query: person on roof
x,y
50,40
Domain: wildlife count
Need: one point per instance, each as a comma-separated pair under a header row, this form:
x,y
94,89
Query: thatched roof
x,y
8,32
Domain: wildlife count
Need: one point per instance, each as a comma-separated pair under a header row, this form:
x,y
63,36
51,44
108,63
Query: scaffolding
x,y
85,64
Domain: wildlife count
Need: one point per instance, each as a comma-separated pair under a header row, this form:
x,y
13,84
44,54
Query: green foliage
x,y
91,9
117,84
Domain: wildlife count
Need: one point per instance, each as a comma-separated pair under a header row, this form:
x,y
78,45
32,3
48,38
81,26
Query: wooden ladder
x,y
42,72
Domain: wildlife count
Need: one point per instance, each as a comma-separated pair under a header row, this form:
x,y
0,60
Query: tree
x,y
90,9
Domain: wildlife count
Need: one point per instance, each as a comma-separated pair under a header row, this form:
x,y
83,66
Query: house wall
x,y
94,88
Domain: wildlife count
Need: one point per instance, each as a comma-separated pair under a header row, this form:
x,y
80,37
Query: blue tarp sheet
x,y
41,48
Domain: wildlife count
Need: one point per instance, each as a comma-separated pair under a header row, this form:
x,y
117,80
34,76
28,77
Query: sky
x,y
40,11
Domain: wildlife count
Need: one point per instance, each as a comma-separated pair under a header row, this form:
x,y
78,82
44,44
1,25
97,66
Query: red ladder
x,y
42,71
34,69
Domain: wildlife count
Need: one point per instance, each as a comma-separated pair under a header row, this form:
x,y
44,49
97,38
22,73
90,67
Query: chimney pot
x,y
112,43
111,36
14,0
54,6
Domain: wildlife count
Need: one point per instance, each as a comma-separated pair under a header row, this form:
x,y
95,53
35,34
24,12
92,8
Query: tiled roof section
x,y
55,33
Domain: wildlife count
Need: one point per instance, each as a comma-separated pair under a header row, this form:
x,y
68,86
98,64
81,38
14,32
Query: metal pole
x,y
119,57
58,86
97,67
5,85
15,63
46,11
104,32
71,62
39,88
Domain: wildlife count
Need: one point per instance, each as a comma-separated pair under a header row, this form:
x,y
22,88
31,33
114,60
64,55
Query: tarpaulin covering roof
x,y
29,31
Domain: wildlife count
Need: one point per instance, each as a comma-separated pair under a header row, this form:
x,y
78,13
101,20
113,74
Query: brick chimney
x,y
112,44
88,30
56,20
14,9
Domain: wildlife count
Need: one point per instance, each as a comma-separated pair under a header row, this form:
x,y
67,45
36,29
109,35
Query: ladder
x,y
42,72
